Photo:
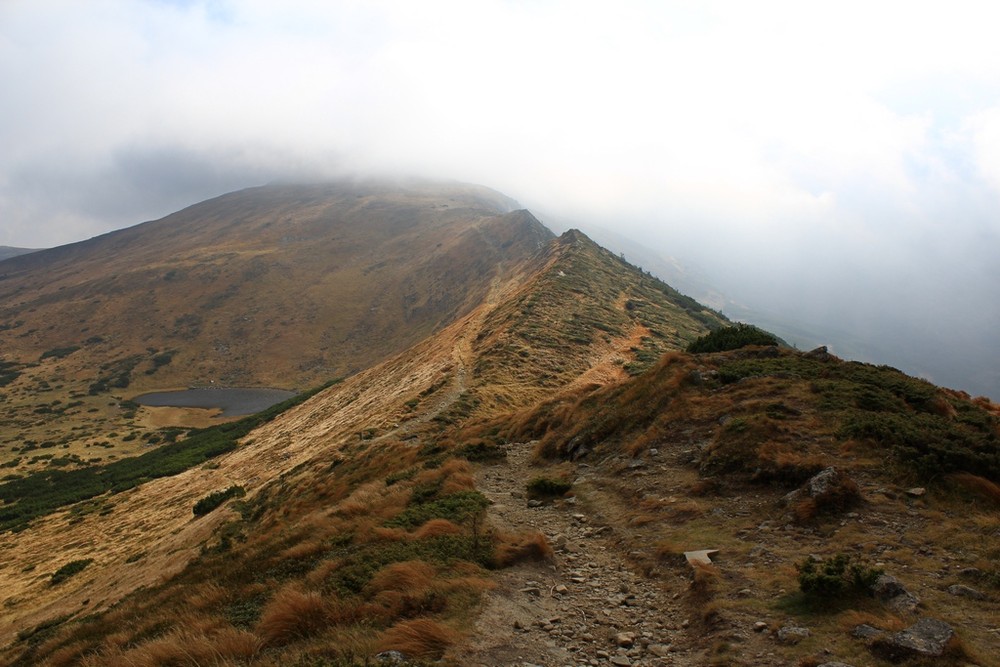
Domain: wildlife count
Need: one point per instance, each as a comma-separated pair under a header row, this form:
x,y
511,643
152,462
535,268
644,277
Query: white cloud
x,y
767,139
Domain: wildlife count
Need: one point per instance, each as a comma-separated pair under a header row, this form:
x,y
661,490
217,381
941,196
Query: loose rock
x,y
866,632
891,592
966,592
928,637
792,634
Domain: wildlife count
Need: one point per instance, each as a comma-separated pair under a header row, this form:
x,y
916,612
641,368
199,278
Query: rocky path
x,y
586,607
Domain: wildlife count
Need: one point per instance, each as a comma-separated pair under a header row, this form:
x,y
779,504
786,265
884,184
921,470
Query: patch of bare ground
x,y
589,604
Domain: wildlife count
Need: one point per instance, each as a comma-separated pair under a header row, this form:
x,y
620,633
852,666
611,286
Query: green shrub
x,y
69,569
482,451
59,352
455,507
548,487
836,577
216,498
400,476
732,338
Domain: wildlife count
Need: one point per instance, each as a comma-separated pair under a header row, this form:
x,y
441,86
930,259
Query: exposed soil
x,y
588,605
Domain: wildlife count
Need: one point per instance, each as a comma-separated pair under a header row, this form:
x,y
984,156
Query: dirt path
x,y
587,607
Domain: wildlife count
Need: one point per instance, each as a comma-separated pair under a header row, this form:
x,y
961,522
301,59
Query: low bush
x,y
837,577
59,352
548,487
732,338
482,451
69,569
216,498
455,507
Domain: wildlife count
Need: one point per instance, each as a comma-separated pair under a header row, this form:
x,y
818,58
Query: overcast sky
x,y
839,162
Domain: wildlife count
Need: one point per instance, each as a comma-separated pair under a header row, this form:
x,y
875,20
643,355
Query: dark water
x,y
233,402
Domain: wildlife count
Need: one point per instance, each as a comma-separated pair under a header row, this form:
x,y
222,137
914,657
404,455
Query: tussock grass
x,y
516,548
421,638
291,615
976,485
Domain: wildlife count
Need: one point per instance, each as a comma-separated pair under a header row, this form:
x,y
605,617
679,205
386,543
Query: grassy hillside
x,y
522,485
282,286
361,511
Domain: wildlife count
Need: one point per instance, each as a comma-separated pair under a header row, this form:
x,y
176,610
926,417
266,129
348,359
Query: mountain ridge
x,y
522,483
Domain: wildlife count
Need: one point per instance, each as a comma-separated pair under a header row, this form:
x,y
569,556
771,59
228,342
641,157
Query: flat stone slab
x,y
928,637
701,557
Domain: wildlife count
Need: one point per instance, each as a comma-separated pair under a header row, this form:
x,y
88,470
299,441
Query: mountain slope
x,y
319,456
521,486
272,285
279,286
6,252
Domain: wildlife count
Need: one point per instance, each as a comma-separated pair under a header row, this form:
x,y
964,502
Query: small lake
x,y
234,402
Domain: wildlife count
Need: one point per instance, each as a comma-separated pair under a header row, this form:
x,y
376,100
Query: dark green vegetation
x,y
115,375
933,432
9,371
548,487
904,423
69,569
732,338
59,352
456,507
836,577
216,498
42,492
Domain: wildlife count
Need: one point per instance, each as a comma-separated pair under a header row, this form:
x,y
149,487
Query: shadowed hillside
x,y
6,252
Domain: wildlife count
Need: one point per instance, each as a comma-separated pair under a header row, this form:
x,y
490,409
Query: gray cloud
x,y
839,166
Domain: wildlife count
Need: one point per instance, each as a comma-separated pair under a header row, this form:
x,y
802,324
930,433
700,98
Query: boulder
x,y
792,634
625,639
831,489
821,353
966,592
927,638
892,594
866,632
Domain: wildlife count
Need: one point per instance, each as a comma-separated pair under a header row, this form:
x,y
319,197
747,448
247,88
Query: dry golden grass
x,y
852,618
668,551
303,550
435,528
410,576
420,638
291,615
977,485
511,549
207,595
703,583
